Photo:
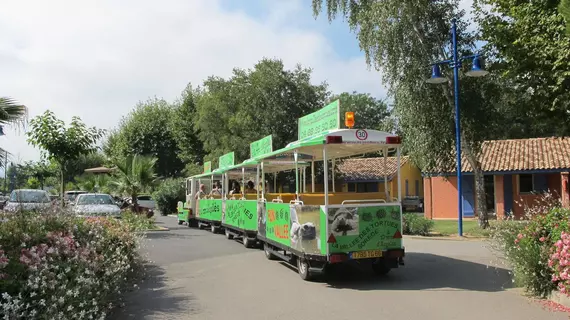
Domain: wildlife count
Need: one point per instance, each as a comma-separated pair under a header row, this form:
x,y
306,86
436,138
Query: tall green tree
x,y
62,144
268,99
402,38
183,120
146,131
369,112
530,53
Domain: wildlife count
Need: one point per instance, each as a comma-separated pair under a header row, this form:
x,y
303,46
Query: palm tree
x,y
94,183
135,175
10,113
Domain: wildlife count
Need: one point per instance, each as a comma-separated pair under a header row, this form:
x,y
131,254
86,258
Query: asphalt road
x,y
194,274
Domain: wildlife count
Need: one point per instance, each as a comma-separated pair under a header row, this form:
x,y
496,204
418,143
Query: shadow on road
x,y
422,271
151,297
171,235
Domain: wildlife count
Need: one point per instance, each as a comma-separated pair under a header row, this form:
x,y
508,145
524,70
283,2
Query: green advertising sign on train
x,y
261,147
327,118
210,209
241,214
227,160
208,167
363,228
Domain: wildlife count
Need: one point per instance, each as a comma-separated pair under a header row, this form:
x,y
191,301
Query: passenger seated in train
x,y
235,188
250,187
201,192
217,190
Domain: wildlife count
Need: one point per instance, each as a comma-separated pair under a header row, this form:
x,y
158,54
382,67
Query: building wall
x,y
440,198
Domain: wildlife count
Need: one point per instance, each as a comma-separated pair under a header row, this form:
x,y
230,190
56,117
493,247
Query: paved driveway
x,y
197,275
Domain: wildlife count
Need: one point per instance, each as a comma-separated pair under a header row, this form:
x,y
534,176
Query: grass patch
x,y
449,227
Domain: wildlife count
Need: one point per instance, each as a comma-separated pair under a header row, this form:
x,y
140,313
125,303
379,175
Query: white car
x,y
146,201
28,200
96,204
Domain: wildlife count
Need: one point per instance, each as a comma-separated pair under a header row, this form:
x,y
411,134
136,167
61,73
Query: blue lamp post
x,y
476,71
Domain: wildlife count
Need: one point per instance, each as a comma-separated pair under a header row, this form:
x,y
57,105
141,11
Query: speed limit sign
x,y
361,134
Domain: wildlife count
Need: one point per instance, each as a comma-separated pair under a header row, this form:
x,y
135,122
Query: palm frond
x,y
11,112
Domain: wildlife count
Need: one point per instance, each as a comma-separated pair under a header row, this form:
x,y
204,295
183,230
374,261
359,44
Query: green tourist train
x,y
309,226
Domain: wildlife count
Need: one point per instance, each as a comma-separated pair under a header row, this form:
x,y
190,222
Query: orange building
x,y
516,173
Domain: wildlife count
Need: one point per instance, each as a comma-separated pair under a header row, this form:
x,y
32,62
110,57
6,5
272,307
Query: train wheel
x,y
268,253
303,267
229,235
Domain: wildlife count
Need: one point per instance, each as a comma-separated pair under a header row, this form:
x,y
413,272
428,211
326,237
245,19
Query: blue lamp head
x,y
436,75
477,69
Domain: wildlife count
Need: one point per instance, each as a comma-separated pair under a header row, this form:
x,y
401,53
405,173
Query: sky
x,y
97,59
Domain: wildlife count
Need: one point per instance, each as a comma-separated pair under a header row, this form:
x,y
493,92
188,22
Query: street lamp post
x,y
476,71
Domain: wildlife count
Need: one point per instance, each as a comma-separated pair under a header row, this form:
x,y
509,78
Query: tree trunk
x,y
62,188
135,202
479,186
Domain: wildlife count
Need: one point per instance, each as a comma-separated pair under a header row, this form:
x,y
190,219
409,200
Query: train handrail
x,y
277,200
296,202
364,200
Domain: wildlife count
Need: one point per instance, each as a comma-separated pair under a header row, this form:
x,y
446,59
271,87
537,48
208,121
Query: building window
x,y
363,187
418,188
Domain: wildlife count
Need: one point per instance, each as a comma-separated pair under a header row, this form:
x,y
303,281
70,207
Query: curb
x,y
559,298
159,228
449,238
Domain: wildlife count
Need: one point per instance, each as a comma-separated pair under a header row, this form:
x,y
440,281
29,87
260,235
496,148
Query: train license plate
x,y
366,254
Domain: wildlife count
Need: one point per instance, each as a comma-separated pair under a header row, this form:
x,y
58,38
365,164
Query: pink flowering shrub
x,y
559,262
527,244
57,266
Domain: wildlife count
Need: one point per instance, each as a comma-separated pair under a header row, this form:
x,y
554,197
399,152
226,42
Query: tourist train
x,y
310,230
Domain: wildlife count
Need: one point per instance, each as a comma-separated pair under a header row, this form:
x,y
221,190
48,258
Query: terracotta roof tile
x,y
369,168
523,155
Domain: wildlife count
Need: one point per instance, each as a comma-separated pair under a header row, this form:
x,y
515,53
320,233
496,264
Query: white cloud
x,y
97,59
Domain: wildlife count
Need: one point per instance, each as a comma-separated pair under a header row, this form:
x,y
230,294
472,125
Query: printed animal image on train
x,y
305,228
343,221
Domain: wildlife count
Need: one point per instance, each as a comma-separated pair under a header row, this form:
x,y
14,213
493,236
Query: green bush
x,y
417,225
528,244
168,194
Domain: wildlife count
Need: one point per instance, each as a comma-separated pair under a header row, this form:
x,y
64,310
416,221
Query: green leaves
x,y
134,175
63,144
11,111
531,53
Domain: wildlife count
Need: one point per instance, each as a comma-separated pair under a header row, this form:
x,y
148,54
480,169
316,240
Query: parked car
x,y
28,200
70,196
96,204
146,201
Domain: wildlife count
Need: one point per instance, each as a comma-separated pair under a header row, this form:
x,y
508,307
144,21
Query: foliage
x,y
33,183
62,144
369,112
530,52
402,39
252,104
559,262
134,175
415,224
168,194
94,183
11,113
146,131
77,166
564,9
137,222
57,266
527,243
182,125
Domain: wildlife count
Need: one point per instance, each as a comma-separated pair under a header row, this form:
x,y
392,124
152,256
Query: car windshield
x,y
71,196
87,199
29,196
